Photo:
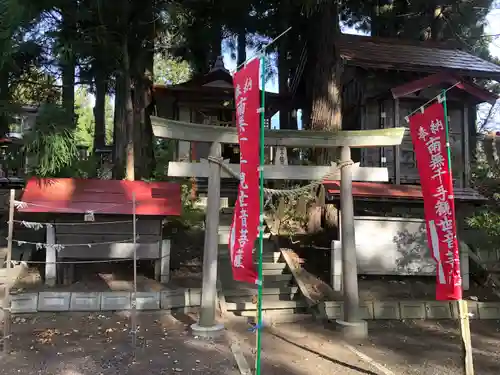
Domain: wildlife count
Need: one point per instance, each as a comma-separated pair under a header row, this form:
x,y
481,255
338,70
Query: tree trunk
x,y
326,92
283,76
437,23
144,151
375,23
142,77
129,113
100,110
4,101
326,110
68,90
119,129
242,47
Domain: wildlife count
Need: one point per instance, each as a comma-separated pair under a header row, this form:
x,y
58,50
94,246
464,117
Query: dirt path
x,y
433,348
394,348
89,344
291,349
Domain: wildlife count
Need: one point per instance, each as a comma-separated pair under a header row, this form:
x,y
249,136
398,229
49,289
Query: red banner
x,y
246,219
428,133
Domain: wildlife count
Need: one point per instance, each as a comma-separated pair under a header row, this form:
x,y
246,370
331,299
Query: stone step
x,y
267,304
267,257
284,277
228,283
270,280
224,236
269,268
251,291
270,317
265,298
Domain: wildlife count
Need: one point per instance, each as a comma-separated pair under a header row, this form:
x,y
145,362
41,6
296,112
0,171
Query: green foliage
x,y
51,145
85,127
192,216
170,71
486,179
164,153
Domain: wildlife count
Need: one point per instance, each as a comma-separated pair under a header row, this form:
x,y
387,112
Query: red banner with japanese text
x,y
428,133
246,219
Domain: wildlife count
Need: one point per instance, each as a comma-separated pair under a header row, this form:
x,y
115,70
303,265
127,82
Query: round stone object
x,y
207,332
353,330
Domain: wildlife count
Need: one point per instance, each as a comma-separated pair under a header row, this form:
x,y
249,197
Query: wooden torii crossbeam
x,y
352,325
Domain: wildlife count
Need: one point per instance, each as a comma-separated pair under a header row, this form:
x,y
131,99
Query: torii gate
x,y
184,131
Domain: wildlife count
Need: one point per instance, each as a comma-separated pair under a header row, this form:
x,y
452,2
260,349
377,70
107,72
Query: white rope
x,y
21,204
36,225
287,192
41,245
118,260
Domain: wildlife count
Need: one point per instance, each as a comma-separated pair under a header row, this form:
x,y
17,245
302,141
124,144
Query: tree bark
x,y
437,23
129,114
68,90
326,110
100,110
119,129
283,76
4,100
242,47
142,79
68,65
326,94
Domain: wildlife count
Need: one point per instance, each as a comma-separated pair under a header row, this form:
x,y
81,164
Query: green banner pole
x,y
448,148
261,227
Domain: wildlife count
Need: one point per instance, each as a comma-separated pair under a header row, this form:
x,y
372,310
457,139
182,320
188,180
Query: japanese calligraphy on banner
x,y
428,133
246,219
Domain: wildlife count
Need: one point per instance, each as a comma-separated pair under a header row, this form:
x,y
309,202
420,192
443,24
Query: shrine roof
x,y
391,191
72,195
425,56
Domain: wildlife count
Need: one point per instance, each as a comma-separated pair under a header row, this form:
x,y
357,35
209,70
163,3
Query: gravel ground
x,y
396,348
292,349
85,344
433,348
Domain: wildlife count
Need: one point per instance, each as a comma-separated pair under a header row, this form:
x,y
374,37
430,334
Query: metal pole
x,y
210,253
349,261
134,293
6,300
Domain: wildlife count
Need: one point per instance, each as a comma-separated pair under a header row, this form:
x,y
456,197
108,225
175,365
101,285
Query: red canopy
x,y
71,195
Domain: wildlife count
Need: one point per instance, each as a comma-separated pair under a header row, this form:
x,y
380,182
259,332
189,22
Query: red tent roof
x,y
383,190
71,195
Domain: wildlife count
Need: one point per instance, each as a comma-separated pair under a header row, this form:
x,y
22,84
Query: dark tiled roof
x,y
395,54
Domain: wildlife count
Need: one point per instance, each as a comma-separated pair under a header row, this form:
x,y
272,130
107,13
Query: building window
x,y
408,158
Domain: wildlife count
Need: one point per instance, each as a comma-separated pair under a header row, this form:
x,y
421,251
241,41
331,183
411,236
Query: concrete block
x,y
147,300
194,297
164,261
353,330
386,310
336,265
115,301
24,303
334,310
438,310
489,310
54,301
85,302
412,310
472,306
366,310
171,299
